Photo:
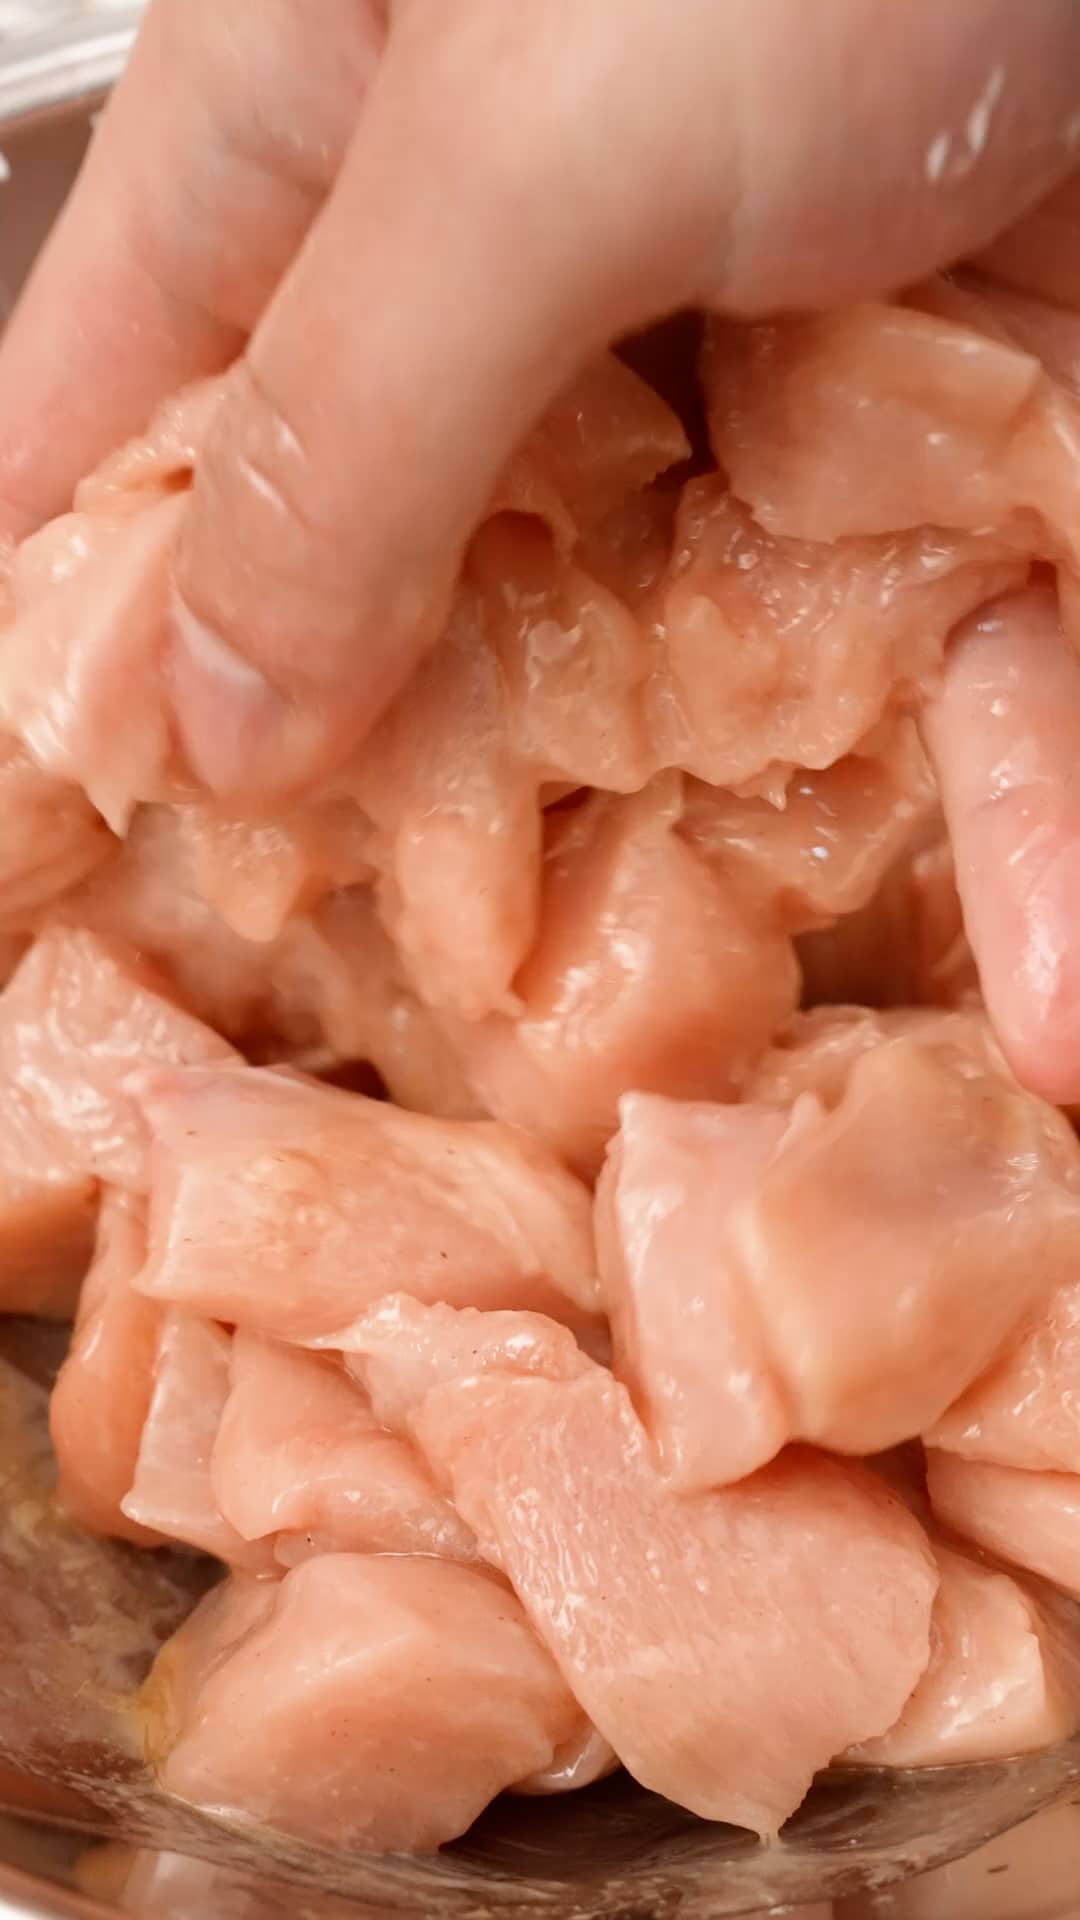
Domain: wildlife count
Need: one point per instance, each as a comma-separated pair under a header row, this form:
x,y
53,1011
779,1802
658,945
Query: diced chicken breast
x,y
172,1492
77,1017
877,419
833,1278
102,1394
781,653
817,1050
300,1457
1025,1412
628,909
1001,1678
1029,1519
906,947
372,1703
289,1207
672,1616
87,650
821,851
50,838
402,1348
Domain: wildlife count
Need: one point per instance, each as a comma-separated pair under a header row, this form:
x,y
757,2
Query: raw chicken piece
x,y
781,653
50,837
1030,1519
289,1207
400,1349
606,437
535,681
375,1703
823,850
257,874
878,419
629,910
1001,1678
579,1763
337,977
172,1491
88,649
102,1394
1025,1412
838,1276
89,597
75,1019
683,1621
689,1338
906,947
816,1052
460,817
300,1455
330,988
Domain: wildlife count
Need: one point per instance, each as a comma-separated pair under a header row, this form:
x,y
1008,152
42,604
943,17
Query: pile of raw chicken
x,y
548,1212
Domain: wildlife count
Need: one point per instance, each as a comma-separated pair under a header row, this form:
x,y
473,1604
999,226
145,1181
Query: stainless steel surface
x,y
100,1842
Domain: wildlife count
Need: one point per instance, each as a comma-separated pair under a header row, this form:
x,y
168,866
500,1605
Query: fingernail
x,y
239,736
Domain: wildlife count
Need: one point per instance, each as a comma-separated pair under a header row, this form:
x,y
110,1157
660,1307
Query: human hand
x,y
419,219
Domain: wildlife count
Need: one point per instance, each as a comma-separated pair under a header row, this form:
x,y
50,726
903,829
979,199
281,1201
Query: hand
x,y
411,221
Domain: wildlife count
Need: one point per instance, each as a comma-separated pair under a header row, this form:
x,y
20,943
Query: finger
x,y
209,163
1005,740
609,169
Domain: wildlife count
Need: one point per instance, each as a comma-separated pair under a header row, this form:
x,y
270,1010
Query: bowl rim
x,y
64,64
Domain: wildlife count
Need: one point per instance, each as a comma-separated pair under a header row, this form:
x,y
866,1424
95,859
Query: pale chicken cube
x,y
1002,1677
373,1703
1030,1519
77,1018
172,1491
878,419
102,1393
1025,1412
820,849
300,1459
289,1207
837,1276
783,653
649,972
682,1621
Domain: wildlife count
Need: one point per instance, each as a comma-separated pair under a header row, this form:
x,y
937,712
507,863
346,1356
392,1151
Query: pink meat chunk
x,y
102,1394
1029,1519
1025,1412
300,1458
289,1208
671,1616
89,593
782,653
835,1276
817,1050
879,418
402,1348
328,988
50,838
1001,1680
822,850
172,1492
627,909
78,1016
375,1703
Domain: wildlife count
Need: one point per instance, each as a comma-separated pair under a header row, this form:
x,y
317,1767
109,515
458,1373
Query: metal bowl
x,y
613,1852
